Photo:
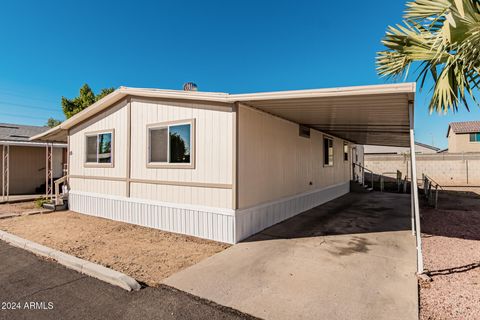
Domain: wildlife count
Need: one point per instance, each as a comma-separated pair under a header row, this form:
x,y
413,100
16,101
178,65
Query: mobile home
x,y
223,166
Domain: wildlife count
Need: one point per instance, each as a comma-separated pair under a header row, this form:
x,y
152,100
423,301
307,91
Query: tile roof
x,y
464,127
17,132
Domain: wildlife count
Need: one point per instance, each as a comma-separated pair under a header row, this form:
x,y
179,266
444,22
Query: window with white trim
x,y
327,151
99,148
170,143
345,151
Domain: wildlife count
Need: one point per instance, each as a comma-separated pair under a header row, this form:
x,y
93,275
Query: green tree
x,y
178,149
51,122
85,99
442,37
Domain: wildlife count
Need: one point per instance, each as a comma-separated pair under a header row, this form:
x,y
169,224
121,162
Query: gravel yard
x,y
146,254
451,244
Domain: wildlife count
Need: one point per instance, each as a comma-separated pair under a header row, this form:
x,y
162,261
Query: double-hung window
x,y
475,137
327,151
99,148
171,144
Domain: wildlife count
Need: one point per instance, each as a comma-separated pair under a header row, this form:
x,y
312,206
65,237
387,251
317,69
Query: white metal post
x,y
49,171
3,173
412,202
414,190
8,172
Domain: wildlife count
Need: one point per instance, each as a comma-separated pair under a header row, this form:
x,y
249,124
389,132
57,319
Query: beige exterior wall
x,y
446,169
27,168
274,162
213,154
458,143
208,183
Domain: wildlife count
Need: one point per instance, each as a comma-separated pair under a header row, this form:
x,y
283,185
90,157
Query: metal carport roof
x,y
375,115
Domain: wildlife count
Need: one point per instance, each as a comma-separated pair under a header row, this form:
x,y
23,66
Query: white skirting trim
x,y
252,220
203,222
224,225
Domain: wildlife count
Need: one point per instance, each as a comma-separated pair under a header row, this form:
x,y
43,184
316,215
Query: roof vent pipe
x,y
190,86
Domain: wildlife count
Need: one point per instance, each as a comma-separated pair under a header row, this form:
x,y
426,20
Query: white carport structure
x,y
365,115
368,115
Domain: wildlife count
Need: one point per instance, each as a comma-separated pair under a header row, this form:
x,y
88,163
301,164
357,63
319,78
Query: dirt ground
x,y
146,254
451,244
16,208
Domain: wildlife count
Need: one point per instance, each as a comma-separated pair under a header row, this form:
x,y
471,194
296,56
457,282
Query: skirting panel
x,y
252,220
209,223
224,225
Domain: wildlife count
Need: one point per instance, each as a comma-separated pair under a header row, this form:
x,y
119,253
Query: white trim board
x,y
219,224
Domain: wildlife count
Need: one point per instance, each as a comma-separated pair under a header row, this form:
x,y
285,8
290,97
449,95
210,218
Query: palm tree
x,y
443,38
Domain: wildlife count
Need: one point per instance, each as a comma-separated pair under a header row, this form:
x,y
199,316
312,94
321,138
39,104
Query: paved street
x,y
66,294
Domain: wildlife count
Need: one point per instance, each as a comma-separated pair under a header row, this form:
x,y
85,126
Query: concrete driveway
x,y
352,258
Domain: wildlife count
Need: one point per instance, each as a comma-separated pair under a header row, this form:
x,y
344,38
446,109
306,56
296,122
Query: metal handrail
x,y
436,183
57,188
428,189
363,169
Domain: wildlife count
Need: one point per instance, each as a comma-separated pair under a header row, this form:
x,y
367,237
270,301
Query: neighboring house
x,y
23,161
464,137
224,166
420,148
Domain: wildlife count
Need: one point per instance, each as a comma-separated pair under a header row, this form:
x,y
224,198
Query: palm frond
x,y
444,37
422,9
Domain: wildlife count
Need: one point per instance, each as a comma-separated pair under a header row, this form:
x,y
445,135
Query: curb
x,y
83,266
26,213
36,211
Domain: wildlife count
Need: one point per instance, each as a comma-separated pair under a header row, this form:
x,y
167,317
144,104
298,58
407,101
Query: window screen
x,y
92,149
345,151
327,151
159,145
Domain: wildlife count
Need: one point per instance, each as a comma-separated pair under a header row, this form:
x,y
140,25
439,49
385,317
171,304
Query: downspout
x,y
414,191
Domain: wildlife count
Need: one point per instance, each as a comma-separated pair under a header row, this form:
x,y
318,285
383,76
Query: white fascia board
x,y
406,88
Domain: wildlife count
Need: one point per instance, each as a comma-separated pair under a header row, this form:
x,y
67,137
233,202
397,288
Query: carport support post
x,y
414,191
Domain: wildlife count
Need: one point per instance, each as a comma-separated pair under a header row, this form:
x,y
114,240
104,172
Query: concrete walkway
x,y
352,258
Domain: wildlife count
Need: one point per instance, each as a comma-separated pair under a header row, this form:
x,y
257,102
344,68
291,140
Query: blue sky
x,y
50,48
